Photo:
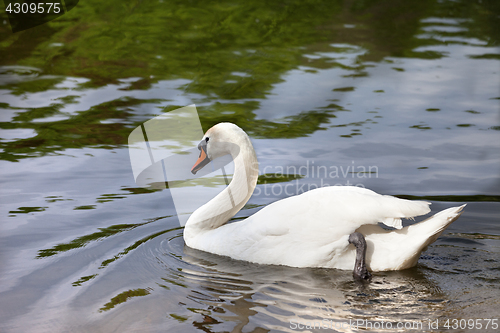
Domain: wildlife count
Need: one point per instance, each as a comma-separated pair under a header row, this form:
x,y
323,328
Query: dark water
x,y
400,97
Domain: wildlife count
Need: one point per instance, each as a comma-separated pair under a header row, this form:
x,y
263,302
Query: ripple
x,y
222,290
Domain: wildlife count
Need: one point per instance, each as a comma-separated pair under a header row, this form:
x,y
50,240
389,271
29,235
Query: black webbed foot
x,y
360,271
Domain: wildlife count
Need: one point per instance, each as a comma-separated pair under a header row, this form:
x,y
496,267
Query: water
x,y
399,98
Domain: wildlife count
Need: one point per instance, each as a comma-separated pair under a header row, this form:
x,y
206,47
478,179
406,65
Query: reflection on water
x,y
409,88
283,295
190,288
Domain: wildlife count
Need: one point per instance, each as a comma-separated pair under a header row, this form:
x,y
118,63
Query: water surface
x,y
401,98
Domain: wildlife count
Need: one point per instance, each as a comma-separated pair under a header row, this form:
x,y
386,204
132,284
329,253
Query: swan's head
x,y
220,140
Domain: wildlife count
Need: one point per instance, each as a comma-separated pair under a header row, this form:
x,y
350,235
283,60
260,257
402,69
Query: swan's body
x,y
311,229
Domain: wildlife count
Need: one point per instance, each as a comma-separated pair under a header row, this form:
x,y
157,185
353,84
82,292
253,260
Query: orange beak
x,y
201,162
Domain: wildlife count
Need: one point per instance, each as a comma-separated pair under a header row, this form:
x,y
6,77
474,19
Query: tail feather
x,y
440,222
430,232
400,249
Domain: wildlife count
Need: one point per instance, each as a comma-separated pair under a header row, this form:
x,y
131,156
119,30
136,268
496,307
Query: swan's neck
x,y
227,203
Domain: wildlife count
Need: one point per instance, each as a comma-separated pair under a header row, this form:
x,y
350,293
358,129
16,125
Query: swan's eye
x,y
206,139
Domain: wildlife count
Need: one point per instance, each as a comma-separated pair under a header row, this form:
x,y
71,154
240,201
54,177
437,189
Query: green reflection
x,y
140,190
56,198
81,130
344,89
82,241
421,127
38,85
125,296
135,245
174,282
227,51
82,280
453,198
109,197
271,178
85,207
27,210
303,124
96,236
87,130
178,318
486,56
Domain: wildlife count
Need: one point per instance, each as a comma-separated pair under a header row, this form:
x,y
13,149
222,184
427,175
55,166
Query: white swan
x,y
311,229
